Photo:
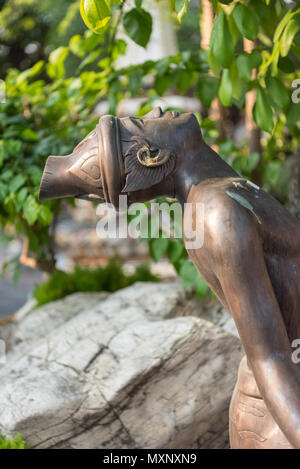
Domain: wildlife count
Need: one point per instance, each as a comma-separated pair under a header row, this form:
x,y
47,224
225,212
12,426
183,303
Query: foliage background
x,y
59,59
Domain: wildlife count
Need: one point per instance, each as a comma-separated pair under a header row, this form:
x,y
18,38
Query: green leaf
x,y
296,50
77,46
2,155
119,48
207,89
287,37
225,149
244,67
29,134
45,215
221,41
55,67
255,58
201,287
260,9
35,173
138,25
213,63
262,111
16,182
282,24
278,92
91,57
293,119
237,85
22,194
245,164
30,72
272,172
275,58
162,66
252,161
185,79
135,81
162,83
181,7
95,14
225,89
6,175
35,70
188,273
31,210
234,32
286,65
246,21
158,246
175,249
12,443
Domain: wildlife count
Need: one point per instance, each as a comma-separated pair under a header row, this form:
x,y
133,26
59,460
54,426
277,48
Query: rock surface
x,y
119,371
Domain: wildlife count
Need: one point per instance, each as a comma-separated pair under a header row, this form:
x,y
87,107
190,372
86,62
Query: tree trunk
x,y
294,185
254,132
217,111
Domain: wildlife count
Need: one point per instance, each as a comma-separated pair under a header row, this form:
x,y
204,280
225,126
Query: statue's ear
x,y
146,166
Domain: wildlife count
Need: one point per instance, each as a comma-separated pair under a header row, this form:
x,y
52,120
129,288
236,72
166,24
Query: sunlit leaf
x,y
96,14
181,7
287,37
55,66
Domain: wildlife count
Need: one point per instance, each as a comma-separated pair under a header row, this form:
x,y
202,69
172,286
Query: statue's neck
x,y
191,169
196,167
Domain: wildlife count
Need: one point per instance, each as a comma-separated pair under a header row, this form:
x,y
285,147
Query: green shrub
x,y
37,119
46,113
12,443
109,278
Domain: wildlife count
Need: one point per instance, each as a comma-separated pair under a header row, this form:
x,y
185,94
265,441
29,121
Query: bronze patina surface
x,y
250,256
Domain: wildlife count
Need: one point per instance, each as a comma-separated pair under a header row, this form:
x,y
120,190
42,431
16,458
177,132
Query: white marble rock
x,y
117,371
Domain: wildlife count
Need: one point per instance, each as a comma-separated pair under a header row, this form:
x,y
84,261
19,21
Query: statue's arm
x,y
239,265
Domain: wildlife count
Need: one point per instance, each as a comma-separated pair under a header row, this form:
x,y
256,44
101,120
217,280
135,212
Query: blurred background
x,y
235,65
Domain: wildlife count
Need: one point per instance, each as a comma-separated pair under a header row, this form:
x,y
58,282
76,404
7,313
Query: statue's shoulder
x,y
225,208
213,190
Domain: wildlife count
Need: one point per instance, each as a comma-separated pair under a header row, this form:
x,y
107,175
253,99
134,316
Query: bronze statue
x,y
250,256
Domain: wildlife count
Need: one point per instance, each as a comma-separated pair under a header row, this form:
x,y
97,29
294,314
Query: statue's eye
x,y
153,152
147,155
144,153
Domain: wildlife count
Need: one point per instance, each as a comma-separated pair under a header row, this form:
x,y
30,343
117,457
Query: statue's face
x,y
161,129
151,145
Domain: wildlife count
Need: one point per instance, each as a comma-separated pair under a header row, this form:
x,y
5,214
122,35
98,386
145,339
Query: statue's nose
x,y
154,113
74,175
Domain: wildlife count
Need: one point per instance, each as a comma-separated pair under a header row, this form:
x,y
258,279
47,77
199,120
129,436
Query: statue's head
x,y
122,156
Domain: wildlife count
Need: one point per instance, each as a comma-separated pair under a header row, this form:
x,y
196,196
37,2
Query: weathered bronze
x,y
250,256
